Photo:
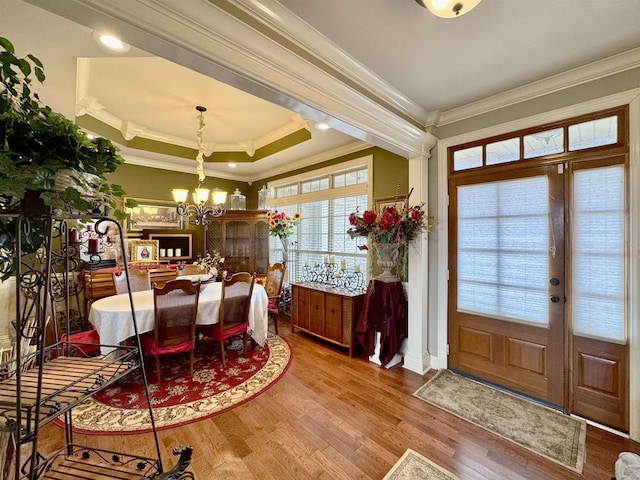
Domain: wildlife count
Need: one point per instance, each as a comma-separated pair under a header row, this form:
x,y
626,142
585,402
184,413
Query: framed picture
x,y
153,214
380,203
143,251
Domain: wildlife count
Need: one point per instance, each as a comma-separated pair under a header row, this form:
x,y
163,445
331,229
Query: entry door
x,y
537,284
506,281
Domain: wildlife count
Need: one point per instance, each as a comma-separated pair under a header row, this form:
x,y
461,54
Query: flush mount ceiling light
x,y
448,8
322,126
111,42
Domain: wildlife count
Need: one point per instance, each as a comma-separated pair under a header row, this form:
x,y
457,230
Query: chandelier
x,y
199,209
448,8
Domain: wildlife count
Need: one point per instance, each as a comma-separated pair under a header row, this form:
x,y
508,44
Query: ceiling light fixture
x,y
322,126
111,42
448,8
199,210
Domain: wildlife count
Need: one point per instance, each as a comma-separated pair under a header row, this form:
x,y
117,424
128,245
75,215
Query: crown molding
x,y
577,76
260,47
183,165
232,41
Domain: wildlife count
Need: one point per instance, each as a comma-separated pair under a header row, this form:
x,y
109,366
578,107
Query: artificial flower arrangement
x,y
212,263
281,225
391,226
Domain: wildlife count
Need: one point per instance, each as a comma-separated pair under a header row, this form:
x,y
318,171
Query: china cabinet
x,y
242,238
45,378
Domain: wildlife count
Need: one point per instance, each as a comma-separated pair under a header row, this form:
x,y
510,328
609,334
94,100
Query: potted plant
x,y
46,161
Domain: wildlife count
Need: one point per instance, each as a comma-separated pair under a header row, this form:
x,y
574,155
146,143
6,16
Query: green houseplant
x,y
46,159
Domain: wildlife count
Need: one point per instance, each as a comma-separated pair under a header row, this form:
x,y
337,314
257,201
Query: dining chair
x,y
273,287
175,312
139,280
235,303
98,285
161,275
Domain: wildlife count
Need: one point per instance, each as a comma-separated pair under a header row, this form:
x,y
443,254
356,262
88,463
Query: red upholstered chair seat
x,y
230,332
152,349
272,307
81,344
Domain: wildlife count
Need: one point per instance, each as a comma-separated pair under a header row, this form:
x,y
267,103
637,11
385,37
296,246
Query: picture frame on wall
x,y
153,214
143,251
379,204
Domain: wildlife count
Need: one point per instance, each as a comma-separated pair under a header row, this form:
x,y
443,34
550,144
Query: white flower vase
x,y
387,257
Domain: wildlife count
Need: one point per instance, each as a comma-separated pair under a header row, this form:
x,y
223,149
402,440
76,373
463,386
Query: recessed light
x,y
232,165
322,126
111,42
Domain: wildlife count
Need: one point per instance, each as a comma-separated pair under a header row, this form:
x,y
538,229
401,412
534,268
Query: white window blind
x,y
598,253
323,232
503,244
327,197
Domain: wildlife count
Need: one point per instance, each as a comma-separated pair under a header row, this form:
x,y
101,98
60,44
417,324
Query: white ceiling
x,y
442,63
427,65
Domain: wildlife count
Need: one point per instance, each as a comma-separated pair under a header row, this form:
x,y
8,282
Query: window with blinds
x,y
325,202
503,244
598,233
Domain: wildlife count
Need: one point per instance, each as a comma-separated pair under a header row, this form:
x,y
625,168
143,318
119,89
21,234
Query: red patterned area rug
x,y
122,407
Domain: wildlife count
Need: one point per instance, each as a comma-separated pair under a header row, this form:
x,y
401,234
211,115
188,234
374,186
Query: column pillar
x,y
416,355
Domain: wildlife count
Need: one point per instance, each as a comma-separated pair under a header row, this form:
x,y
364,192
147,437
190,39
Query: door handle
x,y
554,298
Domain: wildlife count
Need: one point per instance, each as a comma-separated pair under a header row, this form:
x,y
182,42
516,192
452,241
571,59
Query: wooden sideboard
x,y
326,312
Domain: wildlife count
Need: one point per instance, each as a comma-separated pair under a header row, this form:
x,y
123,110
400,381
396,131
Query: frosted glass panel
x,y
543,143
598,253
595,133
503,245
503,151
467,158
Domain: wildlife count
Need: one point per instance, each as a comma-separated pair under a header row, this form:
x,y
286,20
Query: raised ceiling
x,y
380,72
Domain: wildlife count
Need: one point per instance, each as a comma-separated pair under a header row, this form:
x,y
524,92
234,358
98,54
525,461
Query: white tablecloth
x,y
112,319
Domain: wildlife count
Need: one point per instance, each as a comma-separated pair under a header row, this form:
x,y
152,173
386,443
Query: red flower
x,y
353,218
369,217
387,222
416,216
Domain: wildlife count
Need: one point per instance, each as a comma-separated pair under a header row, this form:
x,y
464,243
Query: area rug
x,y
413,466
542,430
122,407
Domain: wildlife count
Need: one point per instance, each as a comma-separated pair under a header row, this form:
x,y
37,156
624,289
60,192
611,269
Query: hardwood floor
x,y
332,417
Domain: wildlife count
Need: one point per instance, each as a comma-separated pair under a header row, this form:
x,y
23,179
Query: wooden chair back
x,y
162,275
98,285
235,299
273,286
175,312
273,280
139,280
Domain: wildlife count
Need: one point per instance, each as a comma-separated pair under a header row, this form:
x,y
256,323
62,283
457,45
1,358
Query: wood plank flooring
x,y
335,417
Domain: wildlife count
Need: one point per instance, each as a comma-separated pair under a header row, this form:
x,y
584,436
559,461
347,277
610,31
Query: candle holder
x,y
328,273
93,243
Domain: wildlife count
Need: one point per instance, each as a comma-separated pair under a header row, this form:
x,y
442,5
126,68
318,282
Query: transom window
x,y
573,135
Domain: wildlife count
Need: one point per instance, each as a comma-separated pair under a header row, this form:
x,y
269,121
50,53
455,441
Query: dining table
x,y
113,320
